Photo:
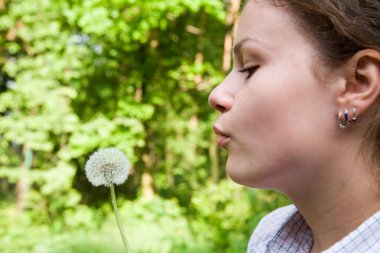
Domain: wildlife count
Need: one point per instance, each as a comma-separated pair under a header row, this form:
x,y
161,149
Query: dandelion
x,y
109,166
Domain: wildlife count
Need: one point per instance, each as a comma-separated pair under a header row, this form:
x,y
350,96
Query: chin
x,y
239,175
246,176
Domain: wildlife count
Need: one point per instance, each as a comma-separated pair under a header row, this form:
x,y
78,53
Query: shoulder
x,y
269,227
365,238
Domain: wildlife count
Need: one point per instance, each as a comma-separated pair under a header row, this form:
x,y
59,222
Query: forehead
x,y
266,24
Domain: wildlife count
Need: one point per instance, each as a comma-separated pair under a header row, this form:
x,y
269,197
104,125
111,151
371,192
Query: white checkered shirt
x,y
285,230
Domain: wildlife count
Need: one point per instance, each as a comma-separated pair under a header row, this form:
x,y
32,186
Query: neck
x,y
333,208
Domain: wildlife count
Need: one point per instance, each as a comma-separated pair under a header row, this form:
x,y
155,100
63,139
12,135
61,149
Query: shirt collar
x,y
296,236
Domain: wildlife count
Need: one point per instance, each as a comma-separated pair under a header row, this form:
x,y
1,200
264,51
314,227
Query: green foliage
x,y
79,75
134,74
157,225
23,236
152,226
225,214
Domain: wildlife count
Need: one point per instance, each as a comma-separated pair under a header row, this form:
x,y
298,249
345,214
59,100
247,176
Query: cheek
x,y
262,107
282,111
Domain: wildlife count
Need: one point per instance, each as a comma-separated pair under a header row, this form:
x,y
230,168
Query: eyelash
x,y
249,70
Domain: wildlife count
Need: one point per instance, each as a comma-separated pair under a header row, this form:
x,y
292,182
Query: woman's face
x,y
277,117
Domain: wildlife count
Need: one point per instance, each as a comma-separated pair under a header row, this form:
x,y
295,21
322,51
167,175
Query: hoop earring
x,y
343,123
354,118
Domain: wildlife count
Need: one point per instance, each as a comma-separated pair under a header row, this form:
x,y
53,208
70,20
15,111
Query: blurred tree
x,y
78,75
134,74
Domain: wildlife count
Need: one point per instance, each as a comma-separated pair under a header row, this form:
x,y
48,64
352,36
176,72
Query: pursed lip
x,y
223,137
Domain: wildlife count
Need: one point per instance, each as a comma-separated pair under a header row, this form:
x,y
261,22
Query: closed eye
x,y
249,70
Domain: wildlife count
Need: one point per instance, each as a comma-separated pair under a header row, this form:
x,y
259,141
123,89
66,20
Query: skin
x,y
278,122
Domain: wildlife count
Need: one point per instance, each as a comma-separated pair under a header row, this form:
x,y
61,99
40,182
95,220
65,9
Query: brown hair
x,y
341,28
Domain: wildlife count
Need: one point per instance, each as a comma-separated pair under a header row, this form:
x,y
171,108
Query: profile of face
x,y
277,118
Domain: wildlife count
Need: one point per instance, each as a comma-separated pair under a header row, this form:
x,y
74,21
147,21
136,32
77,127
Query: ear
x,y
361,85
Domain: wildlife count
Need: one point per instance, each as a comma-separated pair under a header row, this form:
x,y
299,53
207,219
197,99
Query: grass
x,y
164,235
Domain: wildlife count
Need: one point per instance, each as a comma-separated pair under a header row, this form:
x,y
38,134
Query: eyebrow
x,y
237,47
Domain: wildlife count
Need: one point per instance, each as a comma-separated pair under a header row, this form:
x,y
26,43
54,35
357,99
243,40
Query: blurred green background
x,y
134,74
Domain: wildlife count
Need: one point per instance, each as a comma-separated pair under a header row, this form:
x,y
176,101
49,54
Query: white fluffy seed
x,y
107,166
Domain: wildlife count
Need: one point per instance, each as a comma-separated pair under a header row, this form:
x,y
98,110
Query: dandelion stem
x,y
118,219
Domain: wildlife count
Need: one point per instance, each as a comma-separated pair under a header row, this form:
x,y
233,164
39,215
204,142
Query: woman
x,y
300,114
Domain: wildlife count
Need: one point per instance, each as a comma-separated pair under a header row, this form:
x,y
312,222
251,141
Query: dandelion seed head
x,y
107,166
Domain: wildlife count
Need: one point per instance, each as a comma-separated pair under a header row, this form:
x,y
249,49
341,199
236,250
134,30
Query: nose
x,y
221,98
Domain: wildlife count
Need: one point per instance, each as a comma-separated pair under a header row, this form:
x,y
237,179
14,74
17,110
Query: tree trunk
x,y
22,186
232,20
214,159
149,159
169,165
147,186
